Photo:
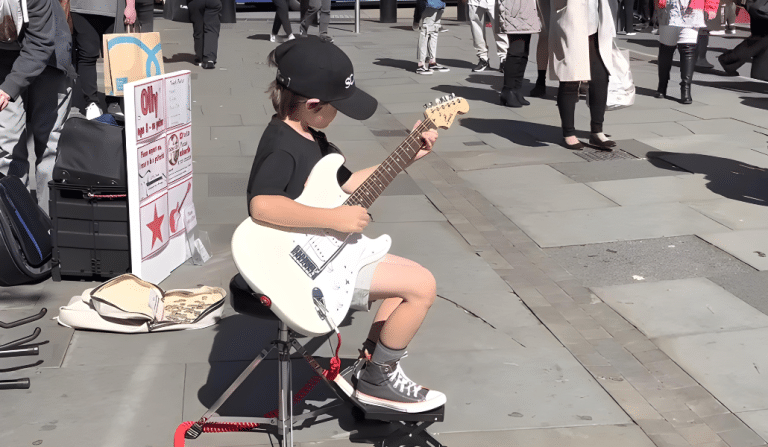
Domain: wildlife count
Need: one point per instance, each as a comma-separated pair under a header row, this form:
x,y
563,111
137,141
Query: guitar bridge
x,y
303,260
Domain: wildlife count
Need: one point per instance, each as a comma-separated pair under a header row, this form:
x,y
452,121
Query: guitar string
x,y
367,192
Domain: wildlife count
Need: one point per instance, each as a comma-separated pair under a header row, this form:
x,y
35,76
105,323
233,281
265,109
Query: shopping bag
x,y
621,87
130,57
176,11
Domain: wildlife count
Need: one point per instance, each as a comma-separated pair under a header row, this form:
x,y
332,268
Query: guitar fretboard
x,y
377,182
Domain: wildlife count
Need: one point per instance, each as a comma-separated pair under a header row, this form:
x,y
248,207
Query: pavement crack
x,y
475,315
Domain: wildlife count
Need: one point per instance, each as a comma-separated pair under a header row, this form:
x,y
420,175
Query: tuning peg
x,y
453,95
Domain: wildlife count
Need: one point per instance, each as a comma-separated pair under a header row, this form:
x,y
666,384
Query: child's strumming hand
x,y
349,219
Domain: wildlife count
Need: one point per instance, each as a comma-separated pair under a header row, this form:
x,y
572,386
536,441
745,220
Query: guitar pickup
x,y
303,261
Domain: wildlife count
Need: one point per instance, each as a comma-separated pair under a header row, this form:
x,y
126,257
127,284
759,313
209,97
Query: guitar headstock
x,y
444,110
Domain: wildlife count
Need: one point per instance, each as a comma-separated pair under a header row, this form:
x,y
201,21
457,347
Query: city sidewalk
x,y
585,299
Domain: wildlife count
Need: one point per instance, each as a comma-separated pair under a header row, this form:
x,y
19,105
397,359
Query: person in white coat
x,y
581,37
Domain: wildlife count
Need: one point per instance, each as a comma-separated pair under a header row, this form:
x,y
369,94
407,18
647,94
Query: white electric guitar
x,y
310,273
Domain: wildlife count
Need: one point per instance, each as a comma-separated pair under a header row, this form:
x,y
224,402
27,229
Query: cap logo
x,y
350,81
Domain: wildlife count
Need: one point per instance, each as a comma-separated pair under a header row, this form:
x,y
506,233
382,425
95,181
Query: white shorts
x,y
361,296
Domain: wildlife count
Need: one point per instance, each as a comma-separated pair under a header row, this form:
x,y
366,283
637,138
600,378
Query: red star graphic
x,y
155,227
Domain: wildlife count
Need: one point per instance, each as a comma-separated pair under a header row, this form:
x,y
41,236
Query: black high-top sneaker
x,y
347,379
386,385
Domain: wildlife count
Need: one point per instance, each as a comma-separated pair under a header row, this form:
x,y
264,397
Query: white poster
x,y
158,129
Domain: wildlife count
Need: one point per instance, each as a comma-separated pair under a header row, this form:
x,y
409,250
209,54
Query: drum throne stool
x,y
410,427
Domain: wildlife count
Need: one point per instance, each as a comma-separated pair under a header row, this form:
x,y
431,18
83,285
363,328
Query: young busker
x,y
314,80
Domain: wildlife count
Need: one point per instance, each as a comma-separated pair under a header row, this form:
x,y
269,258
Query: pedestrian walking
x,y
581,37
429,28
518,19
316,11
281,20
91,19
206,26
679,25
36,76
480,13
754,47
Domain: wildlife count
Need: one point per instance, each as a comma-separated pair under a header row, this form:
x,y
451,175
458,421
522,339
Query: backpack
x,y
25,239
13,15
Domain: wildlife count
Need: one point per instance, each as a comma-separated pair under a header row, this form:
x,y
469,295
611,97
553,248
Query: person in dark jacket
x,y
754,47
36,76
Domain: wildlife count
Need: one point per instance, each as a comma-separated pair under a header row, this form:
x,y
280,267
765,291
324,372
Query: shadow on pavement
x,y
522,133
396,63
180,57
758,103
239,339
729,178
735,86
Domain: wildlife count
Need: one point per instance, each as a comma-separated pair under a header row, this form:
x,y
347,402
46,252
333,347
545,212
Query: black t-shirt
x,y
284,160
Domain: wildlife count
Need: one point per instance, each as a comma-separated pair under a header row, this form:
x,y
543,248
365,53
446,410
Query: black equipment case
x,y
91,234
91,153
25,240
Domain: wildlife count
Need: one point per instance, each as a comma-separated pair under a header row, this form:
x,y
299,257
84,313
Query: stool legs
x,y
285,403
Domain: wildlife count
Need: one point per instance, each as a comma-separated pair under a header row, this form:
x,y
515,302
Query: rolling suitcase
x,y
25,239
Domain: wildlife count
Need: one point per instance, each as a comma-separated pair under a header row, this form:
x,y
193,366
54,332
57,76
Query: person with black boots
x,y
679,24
542,48
581,36
518,19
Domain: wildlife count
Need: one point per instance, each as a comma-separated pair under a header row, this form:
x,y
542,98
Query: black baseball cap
x,y
316,68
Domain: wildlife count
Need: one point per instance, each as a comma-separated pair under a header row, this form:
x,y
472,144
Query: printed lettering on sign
x,y
150,110
179,143
153,172
159,165
179,100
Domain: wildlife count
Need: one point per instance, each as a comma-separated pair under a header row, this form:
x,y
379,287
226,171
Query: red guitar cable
x,y
225,427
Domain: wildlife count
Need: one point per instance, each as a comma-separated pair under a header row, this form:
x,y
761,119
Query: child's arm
x,y
285,212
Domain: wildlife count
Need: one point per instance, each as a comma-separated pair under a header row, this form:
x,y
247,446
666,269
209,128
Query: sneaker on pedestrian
x,y
326,37
482,64
93,111
655,31
386,385
434,66
422,70
272,38
631,33
208,65
730,30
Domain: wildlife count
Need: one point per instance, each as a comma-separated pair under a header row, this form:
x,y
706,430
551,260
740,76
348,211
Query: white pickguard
x,y
262,254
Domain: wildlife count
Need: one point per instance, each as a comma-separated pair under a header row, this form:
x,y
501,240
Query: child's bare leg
x,y
408,291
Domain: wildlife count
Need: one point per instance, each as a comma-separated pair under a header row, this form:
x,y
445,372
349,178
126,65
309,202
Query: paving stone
x,y
690,306
683,418
611,224
669,440
757,421
724,422
738,381
734,214
742,438
750,246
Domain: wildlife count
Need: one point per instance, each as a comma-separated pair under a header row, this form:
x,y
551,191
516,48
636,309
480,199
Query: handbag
x,y
130,57
176,11
621,87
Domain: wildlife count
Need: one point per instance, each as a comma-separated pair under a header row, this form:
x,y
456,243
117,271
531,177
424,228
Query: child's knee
x,y
427,287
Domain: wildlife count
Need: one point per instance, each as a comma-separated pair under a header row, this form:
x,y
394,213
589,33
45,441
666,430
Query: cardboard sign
x,y
158,128
129,58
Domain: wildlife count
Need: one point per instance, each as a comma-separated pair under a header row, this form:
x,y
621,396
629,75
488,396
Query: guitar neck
x,y
377,182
